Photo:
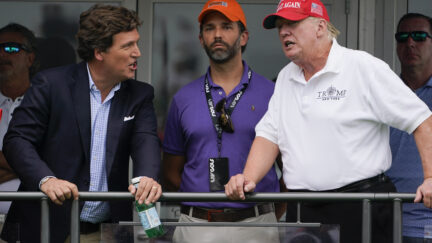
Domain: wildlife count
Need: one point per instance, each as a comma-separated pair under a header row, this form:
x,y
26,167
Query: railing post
x,y
397,220
298,212
366,221
75,230
45,230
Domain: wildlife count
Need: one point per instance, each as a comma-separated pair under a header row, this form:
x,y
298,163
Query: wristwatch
x,y
45,180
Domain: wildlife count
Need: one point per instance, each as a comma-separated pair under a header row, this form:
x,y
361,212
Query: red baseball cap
x,y
230,8
296,10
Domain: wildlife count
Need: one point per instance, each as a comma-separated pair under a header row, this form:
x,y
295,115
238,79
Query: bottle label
x,y
149,218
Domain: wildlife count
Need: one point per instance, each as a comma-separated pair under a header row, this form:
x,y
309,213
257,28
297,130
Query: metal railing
x,y
365,198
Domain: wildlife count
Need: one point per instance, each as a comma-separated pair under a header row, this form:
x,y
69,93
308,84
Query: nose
x,y
284,30
410,41
136,53
218,32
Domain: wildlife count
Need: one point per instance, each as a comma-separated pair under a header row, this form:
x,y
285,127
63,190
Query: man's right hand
x,y
59,190
237,186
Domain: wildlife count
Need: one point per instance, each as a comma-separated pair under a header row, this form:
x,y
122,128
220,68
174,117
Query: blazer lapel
x,y
81,98
118,109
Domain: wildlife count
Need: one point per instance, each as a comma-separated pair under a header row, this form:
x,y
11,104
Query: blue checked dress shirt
x,y
98,211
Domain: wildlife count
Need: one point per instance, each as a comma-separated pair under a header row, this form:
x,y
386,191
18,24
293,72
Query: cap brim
x,y
270,21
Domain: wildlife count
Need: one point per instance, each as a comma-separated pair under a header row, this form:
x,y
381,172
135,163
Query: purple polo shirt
x,y
190,132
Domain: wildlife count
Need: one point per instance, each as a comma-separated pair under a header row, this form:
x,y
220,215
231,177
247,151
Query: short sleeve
x,y
173,141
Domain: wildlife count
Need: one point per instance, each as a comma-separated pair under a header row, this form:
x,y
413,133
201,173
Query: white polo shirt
x,y
8,106
334,129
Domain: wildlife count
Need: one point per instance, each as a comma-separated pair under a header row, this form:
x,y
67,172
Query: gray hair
x,y
333,32
331,29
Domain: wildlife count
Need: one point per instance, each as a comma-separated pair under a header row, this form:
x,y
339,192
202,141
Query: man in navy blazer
x,y
77,127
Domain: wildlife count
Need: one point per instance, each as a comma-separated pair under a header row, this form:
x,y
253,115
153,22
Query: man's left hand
x,y
424,191
148,190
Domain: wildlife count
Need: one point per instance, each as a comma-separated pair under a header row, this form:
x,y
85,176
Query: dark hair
x,y
30,42
99,24
413,16
242,29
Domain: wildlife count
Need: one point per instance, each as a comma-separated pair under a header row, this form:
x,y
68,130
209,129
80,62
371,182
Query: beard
x,y
222,56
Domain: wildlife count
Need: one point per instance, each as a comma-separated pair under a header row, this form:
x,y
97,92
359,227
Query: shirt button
x,y
220,92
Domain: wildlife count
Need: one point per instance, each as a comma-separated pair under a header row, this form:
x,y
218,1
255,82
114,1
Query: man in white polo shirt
x,y
329,117
18,64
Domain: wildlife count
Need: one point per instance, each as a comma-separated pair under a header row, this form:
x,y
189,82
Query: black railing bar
x,y
221,197
75,228
298,212
405,197
9,196
228,224
366,221
287,196
45,234
397,221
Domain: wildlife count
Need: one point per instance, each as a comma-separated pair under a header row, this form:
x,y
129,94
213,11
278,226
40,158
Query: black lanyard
x,y
229,111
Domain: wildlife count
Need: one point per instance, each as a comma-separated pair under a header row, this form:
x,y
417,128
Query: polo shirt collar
x,y
428,84
244,80
3,98
333,64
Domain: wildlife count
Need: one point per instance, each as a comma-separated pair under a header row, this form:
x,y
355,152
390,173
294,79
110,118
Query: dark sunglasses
x,y
13,47
224,119
415,35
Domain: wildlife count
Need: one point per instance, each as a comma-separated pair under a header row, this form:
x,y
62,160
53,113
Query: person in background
x,y
414,50
17,65
329,117
210,128
76,129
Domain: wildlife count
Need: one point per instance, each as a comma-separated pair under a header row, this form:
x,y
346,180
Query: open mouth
x,y
133,65
288,43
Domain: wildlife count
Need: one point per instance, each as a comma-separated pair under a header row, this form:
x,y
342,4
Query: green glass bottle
x,y
148,216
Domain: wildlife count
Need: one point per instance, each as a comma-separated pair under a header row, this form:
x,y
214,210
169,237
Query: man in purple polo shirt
x,y
210,129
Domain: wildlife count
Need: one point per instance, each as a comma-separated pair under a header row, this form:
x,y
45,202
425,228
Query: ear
x,y
322,28
244,38
30,59
98,54
201,40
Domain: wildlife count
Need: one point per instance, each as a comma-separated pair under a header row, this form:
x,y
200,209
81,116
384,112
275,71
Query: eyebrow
x,y
129,43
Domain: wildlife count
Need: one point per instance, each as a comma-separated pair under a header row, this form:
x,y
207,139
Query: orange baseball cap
x,y
230,8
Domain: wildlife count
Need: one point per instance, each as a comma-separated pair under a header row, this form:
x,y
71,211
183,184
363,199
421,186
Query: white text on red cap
x,y
283,5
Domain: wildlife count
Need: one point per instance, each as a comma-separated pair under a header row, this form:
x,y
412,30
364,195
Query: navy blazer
x,y
50,135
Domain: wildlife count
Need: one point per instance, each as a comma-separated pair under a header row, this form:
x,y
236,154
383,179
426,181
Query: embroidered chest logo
x,y
331,93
